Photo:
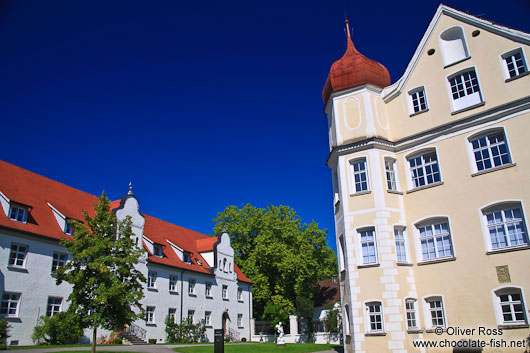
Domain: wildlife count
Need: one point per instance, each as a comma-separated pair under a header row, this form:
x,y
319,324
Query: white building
x,y
188,274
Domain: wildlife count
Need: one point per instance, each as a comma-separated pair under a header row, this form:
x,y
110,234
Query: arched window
x,y
489,150
510,307
423,168
505,226
453,46
435,239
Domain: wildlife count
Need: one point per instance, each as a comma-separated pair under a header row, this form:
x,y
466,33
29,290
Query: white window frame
x,y
191,314
59,259
469,100
172,314
55,305
17,255
413,311
426,300
239,294
208,318
422,153
509,289
392,172
240,320
18,208
433,220
360,241
151,279
150,315
224,291
7,298
486,133
404,241
173,283
410,99
208,290
369,315
353,173
504,63
191,286
502,204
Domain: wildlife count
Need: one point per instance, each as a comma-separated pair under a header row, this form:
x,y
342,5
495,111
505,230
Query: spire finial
x,y
347,28
130,188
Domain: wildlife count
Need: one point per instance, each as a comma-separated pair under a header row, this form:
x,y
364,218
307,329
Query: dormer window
x,y
68,229
158,250
18,213
187,258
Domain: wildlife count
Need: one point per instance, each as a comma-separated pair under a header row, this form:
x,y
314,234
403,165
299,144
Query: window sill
x,y
435,261
418,113
468,108
18,269
208,297
375,334
173,292
368,265
240,301
12,318
152,289
494,169
423,187
208,326
192,294
394,192
435,330
516,77
508,249
513,326
457,62
226,299
361,193
150,324
404,264
412,331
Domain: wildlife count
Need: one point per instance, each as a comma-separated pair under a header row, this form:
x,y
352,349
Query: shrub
x,y
227,339
152,341
4,333
185,332
244,339
62,328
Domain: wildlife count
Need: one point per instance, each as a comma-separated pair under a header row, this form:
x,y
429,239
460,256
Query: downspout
x,y
181,293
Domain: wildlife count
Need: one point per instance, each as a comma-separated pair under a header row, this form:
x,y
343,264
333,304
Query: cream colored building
x,y
431,180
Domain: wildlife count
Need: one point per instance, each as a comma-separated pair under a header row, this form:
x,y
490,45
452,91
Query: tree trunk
x,y
94,339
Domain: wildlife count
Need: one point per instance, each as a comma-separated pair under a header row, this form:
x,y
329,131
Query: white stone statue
x,y
279,329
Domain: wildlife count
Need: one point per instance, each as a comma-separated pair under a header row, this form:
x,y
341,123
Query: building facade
x,y
431,181
189,275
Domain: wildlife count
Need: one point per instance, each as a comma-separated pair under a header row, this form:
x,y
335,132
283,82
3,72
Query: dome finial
x,y
347,28
130,188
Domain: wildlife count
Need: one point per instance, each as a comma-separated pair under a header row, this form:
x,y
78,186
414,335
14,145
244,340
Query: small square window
x,y
506,226
436,312
490,150
151,279
172,314
514,64
54,306
18,213
59,259
173,283
150,314
158,252
424,169
10,304
191,287
465,90
375,317
17,257
417,101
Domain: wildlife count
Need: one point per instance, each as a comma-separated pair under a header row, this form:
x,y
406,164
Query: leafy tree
x,y
284,257
61,328
107,288
4,333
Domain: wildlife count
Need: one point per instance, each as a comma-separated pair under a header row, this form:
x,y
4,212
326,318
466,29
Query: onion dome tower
x,y
352,70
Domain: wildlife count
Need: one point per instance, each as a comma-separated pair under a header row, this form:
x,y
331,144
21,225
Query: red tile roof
x,y
24,187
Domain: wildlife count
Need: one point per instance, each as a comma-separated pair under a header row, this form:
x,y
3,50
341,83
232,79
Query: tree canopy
x,y
107,288
284,257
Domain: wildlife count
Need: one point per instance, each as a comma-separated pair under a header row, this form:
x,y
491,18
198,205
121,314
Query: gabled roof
x,y
38,193
395,89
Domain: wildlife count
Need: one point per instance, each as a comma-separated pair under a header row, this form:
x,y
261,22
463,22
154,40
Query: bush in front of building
x,y
4,333
61,328
185,332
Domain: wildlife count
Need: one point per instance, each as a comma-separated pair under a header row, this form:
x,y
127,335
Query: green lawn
x,y
262,348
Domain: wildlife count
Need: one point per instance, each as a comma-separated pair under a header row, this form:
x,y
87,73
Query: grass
x,y
57,346
262,348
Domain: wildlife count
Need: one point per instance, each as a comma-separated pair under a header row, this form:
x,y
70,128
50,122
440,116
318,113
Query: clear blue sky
x,y
200,104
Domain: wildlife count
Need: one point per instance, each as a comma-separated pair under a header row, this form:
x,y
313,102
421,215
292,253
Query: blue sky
x,y
200,104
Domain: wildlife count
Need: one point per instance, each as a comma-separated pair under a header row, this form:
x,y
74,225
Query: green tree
x,y
107,288
4,333
284,257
